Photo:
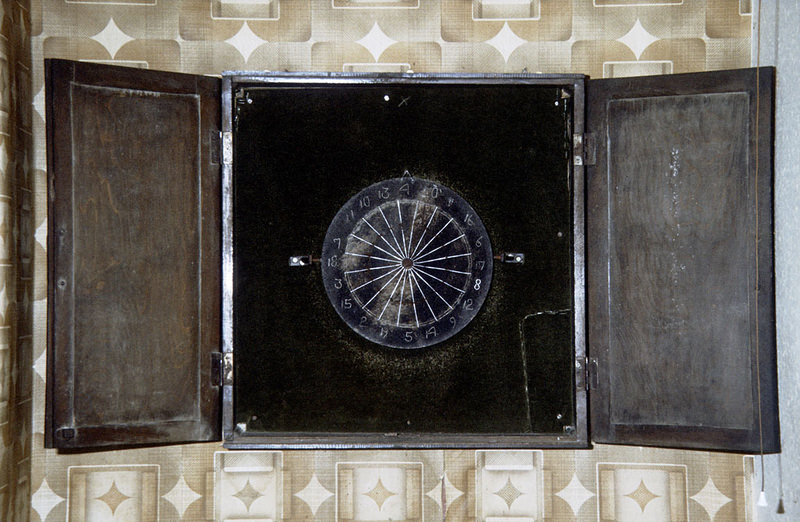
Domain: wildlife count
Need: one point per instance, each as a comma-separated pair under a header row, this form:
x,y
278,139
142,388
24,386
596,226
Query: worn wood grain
x,y
134,267
680,261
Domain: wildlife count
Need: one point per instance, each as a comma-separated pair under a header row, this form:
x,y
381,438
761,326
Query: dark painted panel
x,y
681,261
133,294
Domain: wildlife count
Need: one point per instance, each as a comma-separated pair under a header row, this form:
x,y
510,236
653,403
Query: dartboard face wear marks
x,y
407,263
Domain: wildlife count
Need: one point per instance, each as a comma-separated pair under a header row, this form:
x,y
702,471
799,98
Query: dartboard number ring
x,y
407,263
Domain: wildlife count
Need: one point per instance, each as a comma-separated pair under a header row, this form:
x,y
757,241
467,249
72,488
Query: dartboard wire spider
x,y
407,263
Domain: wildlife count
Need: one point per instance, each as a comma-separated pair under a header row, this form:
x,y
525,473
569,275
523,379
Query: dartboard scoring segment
x,y
407,263
437,275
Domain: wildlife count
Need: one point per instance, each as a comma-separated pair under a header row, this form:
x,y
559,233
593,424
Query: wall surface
x,y
778,41
601,38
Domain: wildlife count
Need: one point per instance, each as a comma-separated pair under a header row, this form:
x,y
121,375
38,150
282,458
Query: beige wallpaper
x,y
602,38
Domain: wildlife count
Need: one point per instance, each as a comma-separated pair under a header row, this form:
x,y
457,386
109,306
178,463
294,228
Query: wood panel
x,y
134,243
680,253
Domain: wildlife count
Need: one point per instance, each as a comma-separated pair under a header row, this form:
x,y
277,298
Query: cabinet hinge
x,y
221,369
591,373
586,373
583,149
227,148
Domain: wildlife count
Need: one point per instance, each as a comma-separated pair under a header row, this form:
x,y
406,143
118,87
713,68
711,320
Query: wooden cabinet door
x,y
134,254
680,261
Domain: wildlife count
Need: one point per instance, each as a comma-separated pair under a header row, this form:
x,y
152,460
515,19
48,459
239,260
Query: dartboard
x,y
407,263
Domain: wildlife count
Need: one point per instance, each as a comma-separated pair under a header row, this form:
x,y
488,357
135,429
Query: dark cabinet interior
x,y
200,286
298,367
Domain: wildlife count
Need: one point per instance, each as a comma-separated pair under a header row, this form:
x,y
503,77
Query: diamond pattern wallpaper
x,y
601,38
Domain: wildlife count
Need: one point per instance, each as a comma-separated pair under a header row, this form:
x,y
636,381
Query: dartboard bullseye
x,y
407,263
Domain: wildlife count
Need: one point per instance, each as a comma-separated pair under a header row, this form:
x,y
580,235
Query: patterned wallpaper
x,y
602,38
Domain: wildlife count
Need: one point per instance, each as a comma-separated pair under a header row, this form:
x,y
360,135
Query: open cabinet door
x,y
134,253
680,261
